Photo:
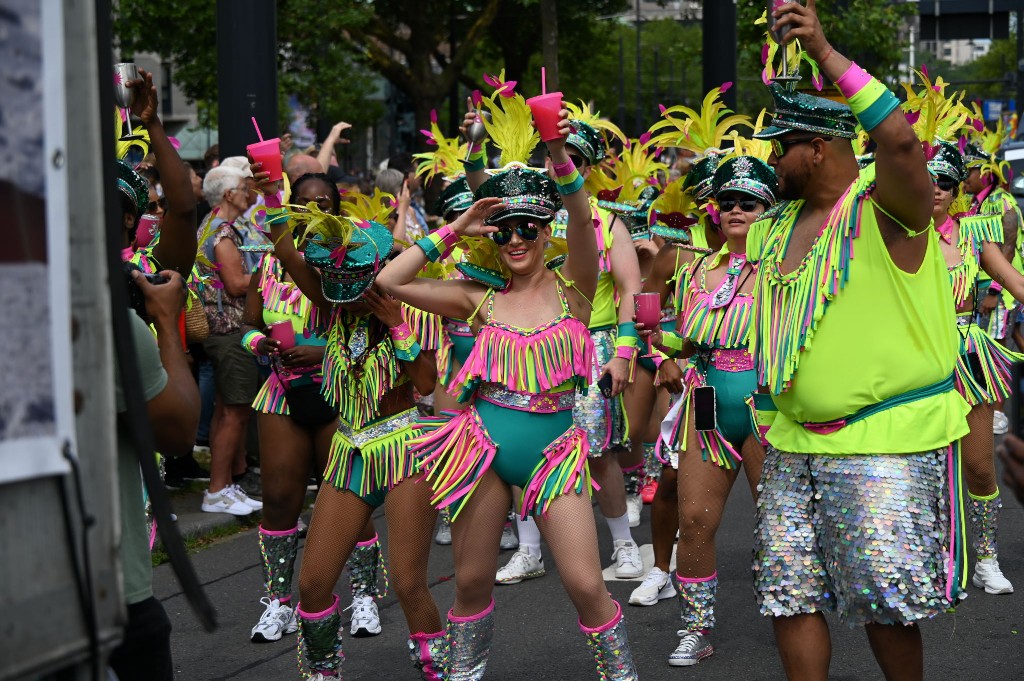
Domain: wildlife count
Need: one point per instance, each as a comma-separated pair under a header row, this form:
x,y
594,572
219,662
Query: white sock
x,y
619,528
529,535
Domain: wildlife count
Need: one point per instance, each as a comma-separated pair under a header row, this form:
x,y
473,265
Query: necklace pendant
x,y
724,294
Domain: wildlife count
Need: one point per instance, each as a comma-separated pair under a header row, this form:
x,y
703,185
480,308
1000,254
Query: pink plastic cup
x,y
284,333
149,225
268,152
647,309
545,110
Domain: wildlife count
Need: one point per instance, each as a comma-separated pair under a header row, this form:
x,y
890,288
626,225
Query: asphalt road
x,y
537,638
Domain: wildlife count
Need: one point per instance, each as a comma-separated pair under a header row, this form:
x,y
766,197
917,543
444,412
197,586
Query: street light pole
x,y
638,124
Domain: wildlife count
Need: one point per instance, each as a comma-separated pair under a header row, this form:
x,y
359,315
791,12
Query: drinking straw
x,y
543,81
256,125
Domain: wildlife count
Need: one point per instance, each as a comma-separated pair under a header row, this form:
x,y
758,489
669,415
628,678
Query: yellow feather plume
x,y
633,166
377,207
593,119
935,116
511,125
697,132
445,159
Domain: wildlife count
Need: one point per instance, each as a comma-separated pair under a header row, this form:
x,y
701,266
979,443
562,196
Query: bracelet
x,y
994,289
563,169
401,332
625,333
406,346
625,352
276,216
827,55
252,339
439,245
569,184
671,343
272,200
870,101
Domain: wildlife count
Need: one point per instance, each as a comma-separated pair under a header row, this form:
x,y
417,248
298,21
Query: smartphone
x,y
605,386
705,411
1015,405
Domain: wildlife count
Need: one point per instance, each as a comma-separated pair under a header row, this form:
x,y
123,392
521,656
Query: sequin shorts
x,y
603,420
867,536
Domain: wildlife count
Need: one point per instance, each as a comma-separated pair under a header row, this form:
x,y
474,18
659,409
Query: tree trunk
x,y
549,40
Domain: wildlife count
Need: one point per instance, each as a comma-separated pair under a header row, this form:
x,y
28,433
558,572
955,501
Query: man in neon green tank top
x,y
853,340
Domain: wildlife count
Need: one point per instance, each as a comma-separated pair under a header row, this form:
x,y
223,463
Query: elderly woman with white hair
x,y
235,372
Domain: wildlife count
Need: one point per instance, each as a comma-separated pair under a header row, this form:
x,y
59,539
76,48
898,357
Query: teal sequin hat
x,y
587,140
527,193
974,156
134,186
455,198
346,271
748,175
700,175
796,111
948,161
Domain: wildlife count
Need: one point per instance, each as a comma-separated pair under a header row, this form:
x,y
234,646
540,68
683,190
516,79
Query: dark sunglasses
x,y
527,231
153,205
746,205
946,184
779,147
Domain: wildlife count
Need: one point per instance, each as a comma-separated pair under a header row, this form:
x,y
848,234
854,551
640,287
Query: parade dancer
x,y
714,435
852,340
532,353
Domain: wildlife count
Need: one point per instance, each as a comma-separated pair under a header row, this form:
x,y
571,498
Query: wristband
x,y
252,339
276,216
272,200
624,331
477,160
626,352
995,289
569,184
406,346
870,101
563,169
671,343
762,414
438,245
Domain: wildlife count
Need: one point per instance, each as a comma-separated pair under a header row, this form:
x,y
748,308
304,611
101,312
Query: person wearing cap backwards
x,y
852,339
371,363
602,417
714,323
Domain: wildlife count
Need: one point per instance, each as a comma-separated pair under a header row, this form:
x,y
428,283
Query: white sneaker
x,y
628,564
1000,423
522,565
989,577
634,502
320,676
444,534
224,502
693,647
276,620
365,620
657,586
241,496
509,540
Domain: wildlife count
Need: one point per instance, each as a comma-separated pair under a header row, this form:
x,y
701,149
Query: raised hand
x,y
804,26
144,107
471,223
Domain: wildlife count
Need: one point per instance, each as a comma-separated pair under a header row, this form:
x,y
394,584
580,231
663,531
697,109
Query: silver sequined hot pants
x,y
867,536
603,420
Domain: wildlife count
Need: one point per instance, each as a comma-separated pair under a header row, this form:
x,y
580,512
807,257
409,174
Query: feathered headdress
x,y
636,167
674,213
124,147
990,141
374,208
935,116
511,125
445,159
697,132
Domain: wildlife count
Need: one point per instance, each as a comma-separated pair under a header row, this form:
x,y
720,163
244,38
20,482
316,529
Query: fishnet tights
x,y
411,521
977,450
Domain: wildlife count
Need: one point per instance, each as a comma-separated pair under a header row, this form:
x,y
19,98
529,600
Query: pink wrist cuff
x,y
273,200
853,81
563,169
657,359
401,332
995,288
625,352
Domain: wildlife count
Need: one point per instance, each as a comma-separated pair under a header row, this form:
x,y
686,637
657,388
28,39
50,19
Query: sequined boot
x,y
984,512
697,613
320,642
427,652
632,478
362,570
278,551
610,648
652,464
469,644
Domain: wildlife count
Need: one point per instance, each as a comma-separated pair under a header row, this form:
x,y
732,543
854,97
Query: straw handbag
x,y
197,328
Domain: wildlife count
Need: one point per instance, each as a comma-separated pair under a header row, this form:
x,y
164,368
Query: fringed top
x,y
531,361
726,326
790,306
974,231
280,296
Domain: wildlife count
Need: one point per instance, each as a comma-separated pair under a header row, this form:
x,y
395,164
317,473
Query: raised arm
x,y
176,249
626,273
327,149
581,262
904,187
454,299
477,163
999,268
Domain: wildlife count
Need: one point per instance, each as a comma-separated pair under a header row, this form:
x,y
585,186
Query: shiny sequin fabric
x,y
985,523
320,642
278,553
867,536
427,653
652,464
610,649
362,570
469,645
604,420
697,603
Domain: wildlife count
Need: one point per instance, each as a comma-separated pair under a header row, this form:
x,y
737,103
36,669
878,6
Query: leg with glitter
x,y
610,647
362,566
697,615
320,642
427,652
469,644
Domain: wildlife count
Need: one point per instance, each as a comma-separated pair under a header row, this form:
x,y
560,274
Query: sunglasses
x,y
527,231
779,147
946,184
746,205
153,205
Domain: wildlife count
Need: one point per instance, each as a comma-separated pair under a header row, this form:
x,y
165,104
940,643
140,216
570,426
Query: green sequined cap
x,y
527,194
948,161
635,214
749,175
796,111
134,186
700,175
365,256
455,198
587,140
975,156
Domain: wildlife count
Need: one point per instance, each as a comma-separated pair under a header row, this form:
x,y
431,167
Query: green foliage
x,y
998,64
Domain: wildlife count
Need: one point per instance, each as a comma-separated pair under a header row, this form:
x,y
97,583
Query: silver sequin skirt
x,y
867,536
603,420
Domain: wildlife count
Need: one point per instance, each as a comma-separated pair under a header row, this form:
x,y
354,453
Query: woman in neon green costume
x,y
290,447
533,351
970,244
714,322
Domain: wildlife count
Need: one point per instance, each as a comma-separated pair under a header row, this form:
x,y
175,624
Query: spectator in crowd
x,y
302,164
211,158
235,373
416,220
401,224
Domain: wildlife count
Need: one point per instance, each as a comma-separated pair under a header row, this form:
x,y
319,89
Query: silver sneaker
x,y
365,619
628,564
224,501
238,494
522,565
509,540
693,647
276,620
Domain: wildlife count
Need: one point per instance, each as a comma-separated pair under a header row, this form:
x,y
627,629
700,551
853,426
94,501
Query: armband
x,y
251,340
762,414
407,348
477,160
624,331
276,216
671,343
870,101
438,245
569,183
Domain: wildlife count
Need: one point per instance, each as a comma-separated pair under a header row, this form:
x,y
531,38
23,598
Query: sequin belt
x,y
826,427
542,403
458,327
377,429
732,359
965,319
